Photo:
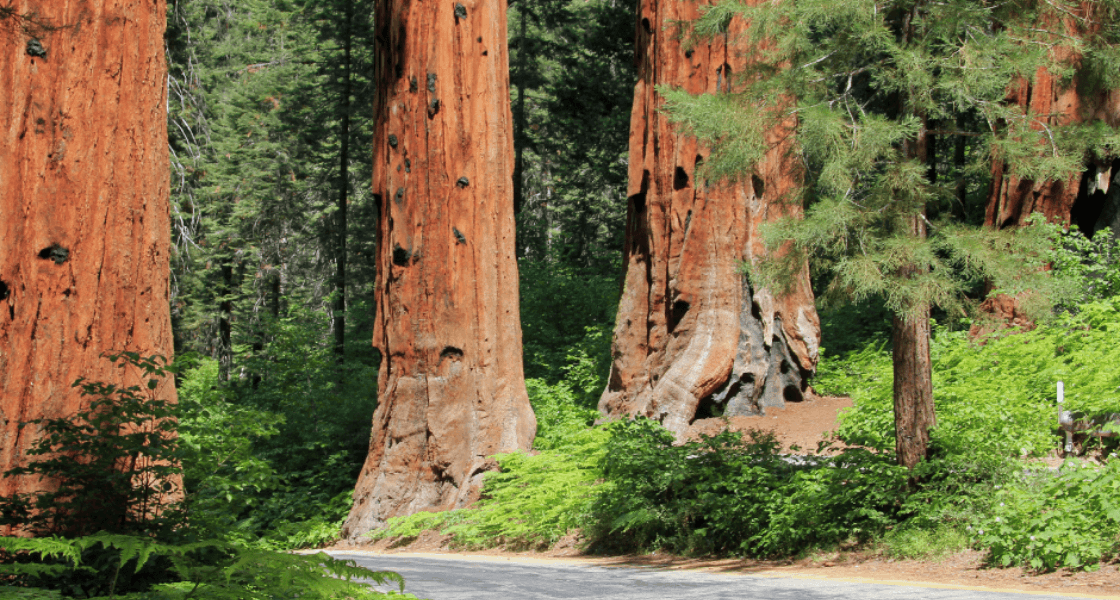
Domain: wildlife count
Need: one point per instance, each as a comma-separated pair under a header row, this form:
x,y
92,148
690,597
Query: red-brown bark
x,y
691,330
451,386
84,224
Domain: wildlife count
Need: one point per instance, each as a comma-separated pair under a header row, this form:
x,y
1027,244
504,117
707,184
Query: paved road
x,y
438,578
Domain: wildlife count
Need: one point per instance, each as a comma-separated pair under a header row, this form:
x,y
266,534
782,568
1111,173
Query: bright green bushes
x,y
998,397
274,454
118,524
1046,521
726,495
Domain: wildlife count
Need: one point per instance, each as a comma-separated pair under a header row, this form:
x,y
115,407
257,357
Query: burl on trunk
x,y
693,334
451,385
84,230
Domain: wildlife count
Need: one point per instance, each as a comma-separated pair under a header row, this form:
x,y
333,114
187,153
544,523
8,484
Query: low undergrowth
x,y
627,488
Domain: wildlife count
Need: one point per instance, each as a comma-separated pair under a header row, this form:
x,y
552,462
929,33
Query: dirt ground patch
x,y
803,424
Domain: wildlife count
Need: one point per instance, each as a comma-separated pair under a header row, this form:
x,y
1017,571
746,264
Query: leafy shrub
x,y
998,397
223,475
728,494
1071,519
116,463
124,449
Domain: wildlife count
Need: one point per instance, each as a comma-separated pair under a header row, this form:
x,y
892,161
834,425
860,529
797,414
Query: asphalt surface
x,y
463,578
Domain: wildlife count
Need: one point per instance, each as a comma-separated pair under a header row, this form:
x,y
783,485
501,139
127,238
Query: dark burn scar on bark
x,y
460,11
56,253
401,256
432,82
412,84
451,352
4,290
392,140
407,166
399,196
463,182
433,107
459,237
35,49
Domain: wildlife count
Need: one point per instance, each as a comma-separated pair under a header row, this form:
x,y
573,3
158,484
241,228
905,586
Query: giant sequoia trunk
x,y
84,230
451,387
693,334
1087,198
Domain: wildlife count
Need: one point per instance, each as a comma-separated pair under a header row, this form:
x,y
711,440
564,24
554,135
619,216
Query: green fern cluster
x,y
207,569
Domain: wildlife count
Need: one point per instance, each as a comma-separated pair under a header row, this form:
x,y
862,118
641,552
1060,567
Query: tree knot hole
x,y
392,141
433,107
4,292
680,179
399,196
459,237
432,82
460,11
758,184
56,253
452,353
463,182
677,313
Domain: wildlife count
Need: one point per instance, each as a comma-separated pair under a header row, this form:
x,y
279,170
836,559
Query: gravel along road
x,y
478,578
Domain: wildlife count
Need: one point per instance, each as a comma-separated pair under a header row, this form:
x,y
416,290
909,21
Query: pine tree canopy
x,y
869,88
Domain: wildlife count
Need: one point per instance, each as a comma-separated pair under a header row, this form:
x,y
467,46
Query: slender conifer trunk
x,y
343,189
913,387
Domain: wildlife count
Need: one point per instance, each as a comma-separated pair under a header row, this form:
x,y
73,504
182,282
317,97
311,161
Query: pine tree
x,y
873,82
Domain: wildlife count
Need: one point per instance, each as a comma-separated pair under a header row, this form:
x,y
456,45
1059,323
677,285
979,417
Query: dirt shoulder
x,y
964,570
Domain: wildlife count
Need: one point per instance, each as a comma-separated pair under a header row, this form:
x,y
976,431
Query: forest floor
x,y
803,424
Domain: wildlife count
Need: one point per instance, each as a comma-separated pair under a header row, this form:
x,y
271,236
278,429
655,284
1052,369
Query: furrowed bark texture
x,y
451,386
692,333
84,229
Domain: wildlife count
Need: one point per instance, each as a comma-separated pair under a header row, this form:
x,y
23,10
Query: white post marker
x,y
1064,418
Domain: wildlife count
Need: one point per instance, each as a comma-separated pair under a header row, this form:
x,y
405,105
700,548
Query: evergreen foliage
x,y
572,81
873,81
867,87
